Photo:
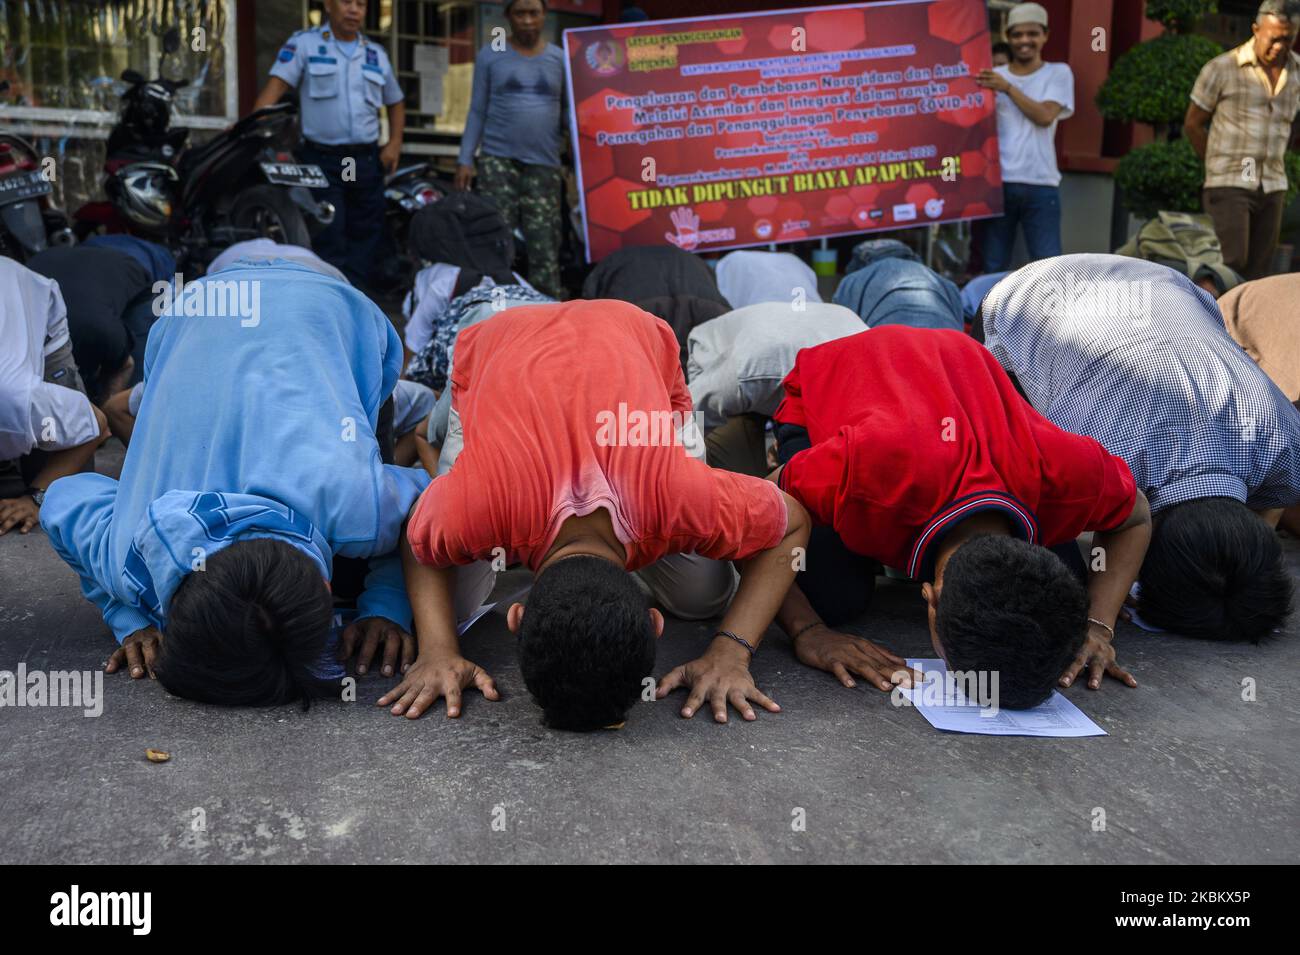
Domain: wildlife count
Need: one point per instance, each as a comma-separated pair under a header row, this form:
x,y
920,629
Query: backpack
x,y
1184,242
465,229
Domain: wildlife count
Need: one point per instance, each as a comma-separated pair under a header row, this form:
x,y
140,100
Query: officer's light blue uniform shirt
x,y
252,425
340,91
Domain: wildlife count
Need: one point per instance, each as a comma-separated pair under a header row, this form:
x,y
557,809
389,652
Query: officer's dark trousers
x,y
353,241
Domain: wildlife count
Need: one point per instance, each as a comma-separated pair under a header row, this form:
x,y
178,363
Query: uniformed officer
x,y
345,78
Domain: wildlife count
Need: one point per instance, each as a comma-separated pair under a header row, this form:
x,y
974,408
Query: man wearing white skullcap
x,y
1032,97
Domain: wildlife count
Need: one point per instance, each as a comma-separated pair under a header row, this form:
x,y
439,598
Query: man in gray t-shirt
x,y
516,115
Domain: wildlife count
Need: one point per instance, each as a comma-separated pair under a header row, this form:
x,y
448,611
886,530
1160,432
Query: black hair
x,y
251,629
511,3
586,643
1011,608
1003,48
1214,569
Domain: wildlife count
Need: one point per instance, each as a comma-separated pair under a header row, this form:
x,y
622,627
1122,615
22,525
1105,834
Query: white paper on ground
x,y
473,618
477,614
1136,593
1056,717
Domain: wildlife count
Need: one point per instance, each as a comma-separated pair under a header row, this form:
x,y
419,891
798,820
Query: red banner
x,y
721,132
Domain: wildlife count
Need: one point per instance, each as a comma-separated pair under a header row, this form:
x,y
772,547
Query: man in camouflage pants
x,y
529,196
516,114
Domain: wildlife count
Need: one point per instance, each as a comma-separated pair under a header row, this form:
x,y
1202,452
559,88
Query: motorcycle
x,y
408,190
28,221
242,184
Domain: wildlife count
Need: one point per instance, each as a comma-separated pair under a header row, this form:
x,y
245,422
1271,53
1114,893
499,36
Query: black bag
x,y
465,229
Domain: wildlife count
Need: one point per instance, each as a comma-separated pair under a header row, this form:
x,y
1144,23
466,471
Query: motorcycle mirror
x,y
171,40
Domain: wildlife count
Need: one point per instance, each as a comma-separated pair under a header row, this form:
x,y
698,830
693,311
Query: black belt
x,y
342,149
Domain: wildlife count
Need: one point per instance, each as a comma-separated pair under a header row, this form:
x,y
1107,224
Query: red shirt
x,y
568,408
914,430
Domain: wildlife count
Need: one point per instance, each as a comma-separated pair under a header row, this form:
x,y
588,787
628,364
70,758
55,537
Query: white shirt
x,y
1028,150
739,360
34,412
748,277
430,298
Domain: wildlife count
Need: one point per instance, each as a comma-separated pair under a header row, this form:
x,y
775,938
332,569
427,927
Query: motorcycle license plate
x,y
22,185
295,174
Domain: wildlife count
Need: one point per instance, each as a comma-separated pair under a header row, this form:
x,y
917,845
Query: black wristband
x,y
803,630
741,640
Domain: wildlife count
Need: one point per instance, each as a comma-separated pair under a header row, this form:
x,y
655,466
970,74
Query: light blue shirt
x,y
973,292
256,421
341,89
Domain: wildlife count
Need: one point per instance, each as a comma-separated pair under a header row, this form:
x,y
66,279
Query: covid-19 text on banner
x,y
720,132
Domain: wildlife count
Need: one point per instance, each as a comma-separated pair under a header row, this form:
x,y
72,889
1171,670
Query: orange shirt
x,y
567,408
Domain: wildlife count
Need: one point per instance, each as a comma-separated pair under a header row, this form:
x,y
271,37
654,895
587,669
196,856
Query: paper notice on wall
x,y
430,94
430,59
431,65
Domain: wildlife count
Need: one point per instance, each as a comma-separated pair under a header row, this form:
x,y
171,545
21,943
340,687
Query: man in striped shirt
x,y
1132,353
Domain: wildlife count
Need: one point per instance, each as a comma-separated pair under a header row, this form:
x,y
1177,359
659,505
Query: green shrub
x,y
1179,15
1168,177
1151,82
1292,163
1161,176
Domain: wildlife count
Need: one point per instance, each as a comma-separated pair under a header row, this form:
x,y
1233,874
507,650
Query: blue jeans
x,y
1038,210
352,243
